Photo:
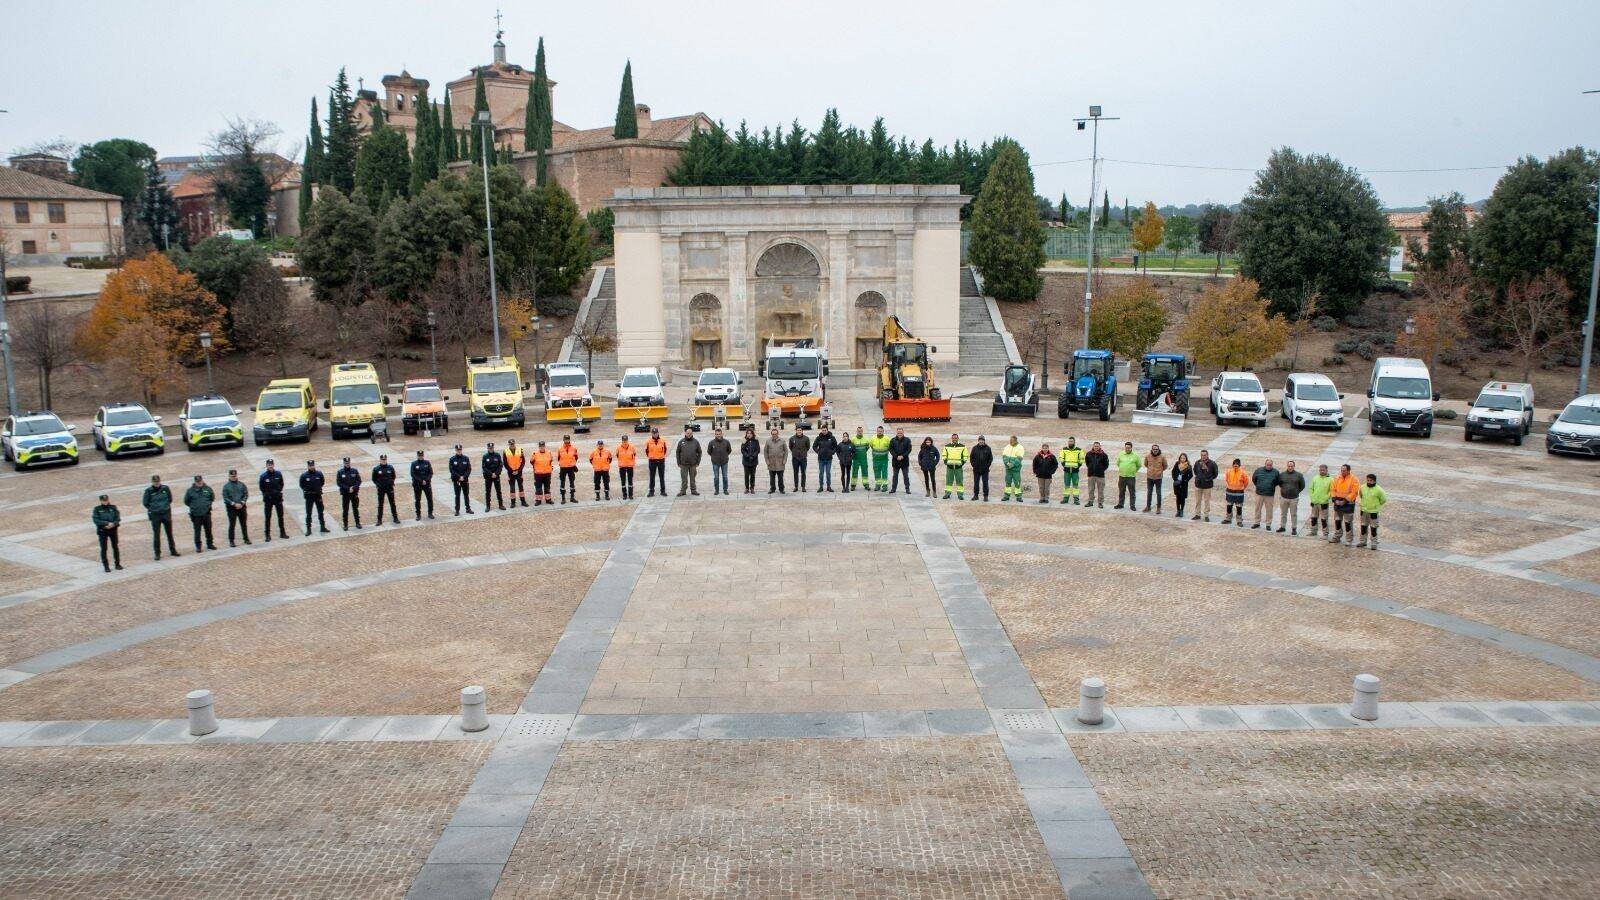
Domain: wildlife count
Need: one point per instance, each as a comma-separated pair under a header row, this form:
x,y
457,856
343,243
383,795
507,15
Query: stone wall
x,y
593,174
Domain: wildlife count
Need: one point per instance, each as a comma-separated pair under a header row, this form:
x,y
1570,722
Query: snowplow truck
x,y
1091,384
906,388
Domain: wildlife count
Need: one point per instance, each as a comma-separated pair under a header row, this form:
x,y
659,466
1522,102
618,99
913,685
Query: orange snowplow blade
x,y
916,410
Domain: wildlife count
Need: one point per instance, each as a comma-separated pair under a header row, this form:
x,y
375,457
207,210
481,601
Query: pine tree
x,y
480,104
1007,235
627,116
537,126
383,167
311,166
1105,210
425,153
882,152
825,160
1066,210
561,251
338,166
447,132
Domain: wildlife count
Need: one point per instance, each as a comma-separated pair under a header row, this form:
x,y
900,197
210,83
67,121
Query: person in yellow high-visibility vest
x,y
955,461
860,445
880,460
1071,461
1011,456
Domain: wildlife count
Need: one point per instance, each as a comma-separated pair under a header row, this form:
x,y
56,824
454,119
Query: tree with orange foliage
x,y
1230,328
148,319
1147,233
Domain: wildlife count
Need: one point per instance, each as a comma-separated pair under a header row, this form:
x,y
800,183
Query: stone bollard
x,y
1364,705
474,714
202,714
1091,701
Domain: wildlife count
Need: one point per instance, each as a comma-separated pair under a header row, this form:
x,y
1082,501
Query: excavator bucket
x,y
921,410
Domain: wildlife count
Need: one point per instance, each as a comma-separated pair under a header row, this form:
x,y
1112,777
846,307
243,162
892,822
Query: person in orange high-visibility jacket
x,y
625,461
543,463
1344,492
600,460
567,466
515,460
655,450
1234,483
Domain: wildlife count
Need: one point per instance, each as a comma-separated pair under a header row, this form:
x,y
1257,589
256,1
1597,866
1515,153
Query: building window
x,y
20,210
30,246
58,213
400,101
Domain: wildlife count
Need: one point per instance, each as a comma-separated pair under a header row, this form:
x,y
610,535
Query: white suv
x,y
641,387
1312,400
1238,396
717,386
124,428
36,438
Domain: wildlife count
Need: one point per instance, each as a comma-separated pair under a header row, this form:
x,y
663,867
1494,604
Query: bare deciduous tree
x,y
264,317
459,298
44,336
1534,317
391,321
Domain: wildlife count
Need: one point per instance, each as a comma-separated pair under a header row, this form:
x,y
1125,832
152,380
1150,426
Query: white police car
x,y
209,421
124,428
36,439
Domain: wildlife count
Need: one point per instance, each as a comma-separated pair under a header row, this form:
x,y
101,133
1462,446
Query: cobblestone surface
x,y
939,818
1441,813
403,648
801,629
741,517
1584,565
18,577
1161,639
1509,493
31,628
283,820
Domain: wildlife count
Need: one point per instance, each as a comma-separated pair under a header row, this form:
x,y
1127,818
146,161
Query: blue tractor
x,y
1091,384
1164,383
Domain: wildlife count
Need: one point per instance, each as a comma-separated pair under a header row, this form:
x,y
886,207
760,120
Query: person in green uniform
x,y
1011,457
1071,461
861,444
1319,492
107,519
1370,501
199,498
880,460
955,461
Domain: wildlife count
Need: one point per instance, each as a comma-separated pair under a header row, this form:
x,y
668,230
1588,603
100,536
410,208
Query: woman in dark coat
x,y
928,462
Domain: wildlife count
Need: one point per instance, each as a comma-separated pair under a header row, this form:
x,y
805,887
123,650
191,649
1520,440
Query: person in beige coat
x,y
1155,469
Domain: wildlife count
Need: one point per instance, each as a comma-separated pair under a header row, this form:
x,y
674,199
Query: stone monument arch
x,y
786,289
705,331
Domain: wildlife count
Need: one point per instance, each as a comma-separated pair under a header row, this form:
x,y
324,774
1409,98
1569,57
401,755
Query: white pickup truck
x,y
1504,409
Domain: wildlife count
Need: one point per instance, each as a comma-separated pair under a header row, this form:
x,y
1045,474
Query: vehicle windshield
x,y
129,416
1498,401
423,394
641,379
1397,387
1315,392
792,367
1580,415
1242,385
718,378
495,382
1091,367
1165,370
912,354
210,409
281,400
351,394
40,425
572,380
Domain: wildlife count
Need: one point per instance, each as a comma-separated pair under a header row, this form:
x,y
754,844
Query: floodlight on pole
x,y
1594,285
486,123
1096,118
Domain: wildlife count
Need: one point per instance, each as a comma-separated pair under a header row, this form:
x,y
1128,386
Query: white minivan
x,y
1577,429
1400,397
1312,401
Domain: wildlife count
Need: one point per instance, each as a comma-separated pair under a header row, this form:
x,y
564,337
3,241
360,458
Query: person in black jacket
x,y
799,456
348,481
491,467
981,459
311,482
383,482
1205,478
718,450
928,462
421,484
847,455
1182,474
750,455
271,485
1095,464
900,460
107,519
461,479
825,446
1044,469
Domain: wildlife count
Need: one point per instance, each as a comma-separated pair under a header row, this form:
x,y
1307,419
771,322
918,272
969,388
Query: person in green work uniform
x,y
199,498
861,445
1128,463
107,519
880,460
1319,492
1011,457
955,461
1371,501
1071,461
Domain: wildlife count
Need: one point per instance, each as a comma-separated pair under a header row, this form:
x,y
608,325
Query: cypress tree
x,y
425,155
311,167
1007,234
1105,210
480,103
539,122
627,119
338,166
825,161
447,133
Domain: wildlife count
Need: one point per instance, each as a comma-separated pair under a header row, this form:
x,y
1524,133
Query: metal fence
x,y
1062,243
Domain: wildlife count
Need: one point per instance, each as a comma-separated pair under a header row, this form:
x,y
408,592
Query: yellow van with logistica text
x,y
285,411
355,399
494,391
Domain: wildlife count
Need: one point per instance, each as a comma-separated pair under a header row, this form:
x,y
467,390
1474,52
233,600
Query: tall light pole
x,y
5,337
1594,285
433,347
1094,191
205,344
538,387
487,124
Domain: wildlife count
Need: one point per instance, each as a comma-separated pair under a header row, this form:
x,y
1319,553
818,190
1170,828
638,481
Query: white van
x,y
1504,409
1577,429
1312,401
1400,397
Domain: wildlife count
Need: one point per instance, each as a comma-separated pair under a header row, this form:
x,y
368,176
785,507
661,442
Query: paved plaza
x,y
812,696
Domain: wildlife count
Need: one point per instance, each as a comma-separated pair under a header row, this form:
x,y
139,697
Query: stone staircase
x,y
983,351
602,311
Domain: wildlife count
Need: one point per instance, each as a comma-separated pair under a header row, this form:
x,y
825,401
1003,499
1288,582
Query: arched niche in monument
x,y
705,331
786,294
870,309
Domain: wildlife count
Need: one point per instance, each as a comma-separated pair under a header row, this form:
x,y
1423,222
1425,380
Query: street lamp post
x,y
486,123
1094,191
205,344
5,341
433,346
1594,286
538,388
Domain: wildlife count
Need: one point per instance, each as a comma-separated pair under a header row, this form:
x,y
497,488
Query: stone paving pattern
x,y
287,820
938,818
1435,813
740,516
1583,565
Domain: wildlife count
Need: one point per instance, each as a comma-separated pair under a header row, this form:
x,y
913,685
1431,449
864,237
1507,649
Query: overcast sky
x,y
1402,85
